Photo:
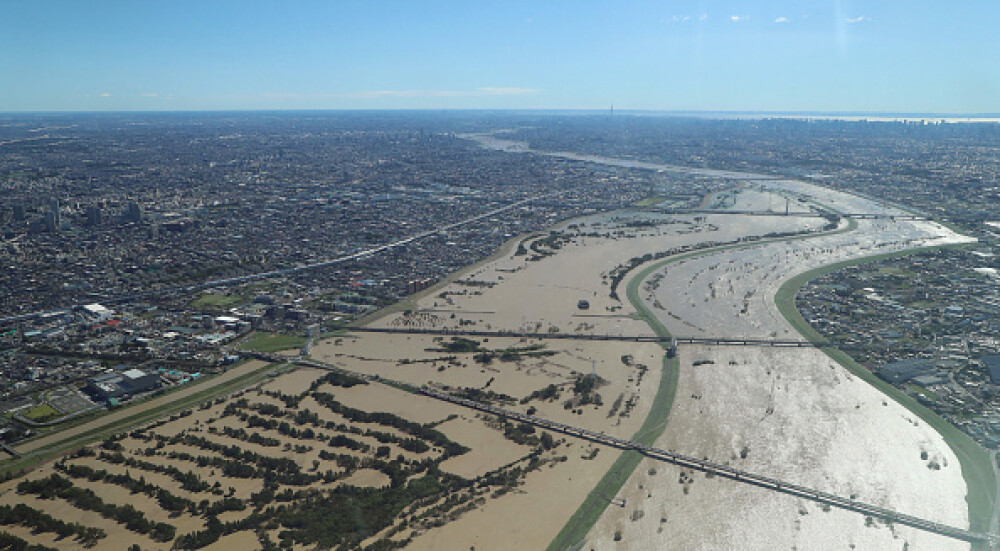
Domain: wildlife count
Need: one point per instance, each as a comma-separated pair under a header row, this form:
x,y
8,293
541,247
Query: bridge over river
x,y
733,341
800,214
686,461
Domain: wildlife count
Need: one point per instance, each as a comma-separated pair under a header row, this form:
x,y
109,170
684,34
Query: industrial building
x,y
905,370
105,387
116,385
96,313
137,380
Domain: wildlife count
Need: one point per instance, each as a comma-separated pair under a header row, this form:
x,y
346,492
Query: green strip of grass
x,y
41,413
977,468
212,300
597,500
650,201
583,519
272,342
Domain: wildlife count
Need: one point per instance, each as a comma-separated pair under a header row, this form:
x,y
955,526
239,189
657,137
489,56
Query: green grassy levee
x,y
597,500
590,510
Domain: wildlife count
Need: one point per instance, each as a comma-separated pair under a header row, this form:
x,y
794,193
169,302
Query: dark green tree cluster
x,y
168,501
56,486
242,435
550,392
459,345
484,396
338,379
349,515
188,480
417,430
41,521
13,543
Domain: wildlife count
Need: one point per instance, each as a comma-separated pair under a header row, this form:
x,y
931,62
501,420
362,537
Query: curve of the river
x,y
795,414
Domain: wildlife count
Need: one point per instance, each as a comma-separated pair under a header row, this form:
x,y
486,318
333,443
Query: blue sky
x,y
806,55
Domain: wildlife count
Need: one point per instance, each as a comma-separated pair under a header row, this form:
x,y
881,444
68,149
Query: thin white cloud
x,y
104,94
860,19
703,17
680,18
781,19
738,18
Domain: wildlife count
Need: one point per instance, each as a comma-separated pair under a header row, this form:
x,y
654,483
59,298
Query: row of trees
x,y
166,500
41,521
134,520
188,480
417,430
13,543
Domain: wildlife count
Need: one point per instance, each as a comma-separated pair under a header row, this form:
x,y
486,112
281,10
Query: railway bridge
x,y
726,471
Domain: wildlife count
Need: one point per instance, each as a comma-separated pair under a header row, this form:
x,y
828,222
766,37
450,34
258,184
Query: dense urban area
x,y
142,253
124,227
101,208
928,323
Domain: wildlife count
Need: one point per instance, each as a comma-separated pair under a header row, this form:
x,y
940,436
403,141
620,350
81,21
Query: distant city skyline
x,y
738,56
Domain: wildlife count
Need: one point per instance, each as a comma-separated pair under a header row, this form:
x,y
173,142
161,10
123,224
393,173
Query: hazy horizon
x,y
830,115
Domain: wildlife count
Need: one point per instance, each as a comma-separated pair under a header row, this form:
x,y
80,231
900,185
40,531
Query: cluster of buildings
x,y
70,347
154,209
227,197
113,386
134,228
417,285
949,171
929,324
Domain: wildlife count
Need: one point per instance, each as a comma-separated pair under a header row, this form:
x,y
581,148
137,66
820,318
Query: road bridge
x,y
736,341
800,214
